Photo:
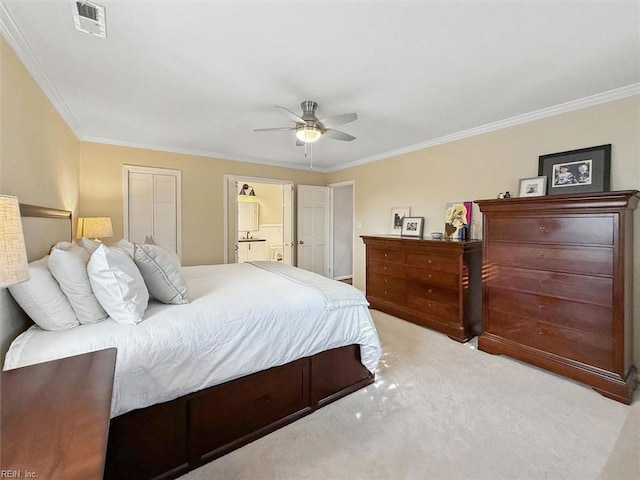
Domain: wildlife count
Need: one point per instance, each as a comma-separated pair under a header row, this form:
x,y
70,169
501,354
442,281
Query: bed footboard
x,y
169,439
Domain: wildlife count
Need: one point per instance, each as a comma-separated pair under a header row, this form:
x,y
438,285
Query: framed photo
x,y
577,171
533,187
397,215
412,226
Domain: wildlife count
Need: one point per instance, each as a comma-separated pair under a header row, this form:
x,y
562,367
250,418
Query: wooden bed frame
x,y
168,439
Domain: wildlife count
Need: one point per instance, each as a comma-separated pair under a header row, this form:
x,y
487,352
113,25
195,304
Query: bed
x,y
258,346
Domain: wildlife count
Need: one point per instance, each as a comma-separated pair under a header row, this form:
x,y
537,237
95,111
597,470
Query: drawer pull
x,y
385,267
541,254
258,402
542,229
387,281
386,255
429,305
385,293
429,260
429,275
430,291
540,307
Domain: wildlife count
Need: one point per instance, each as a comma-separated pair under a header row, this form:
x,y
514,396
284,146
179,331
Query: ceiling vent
x,y
90,18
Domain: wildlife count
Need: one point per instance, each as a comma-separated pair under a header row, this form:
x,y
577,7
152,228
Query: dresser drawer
x,y
433,293
446,313
432,277
596,290
582,317
387,294
385,255
590,348
434,262
392,269
385,281
583,260
588,230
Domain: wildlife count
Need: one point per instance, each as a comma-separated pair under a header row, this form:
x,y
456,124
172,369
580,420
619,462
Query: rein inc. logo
x,y
5,473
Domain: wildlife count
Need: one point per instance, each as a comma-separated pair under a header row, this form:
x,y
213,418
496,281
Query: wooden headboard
x,y
43,227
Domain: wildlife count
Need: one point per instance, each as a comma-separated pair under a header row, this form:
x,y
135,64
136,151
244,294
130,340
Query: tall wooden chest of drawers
x,y
557,293
434,283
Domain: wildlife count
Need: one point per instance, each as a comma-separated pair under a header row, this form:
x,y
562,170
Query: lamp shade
x,y
94,227
13,254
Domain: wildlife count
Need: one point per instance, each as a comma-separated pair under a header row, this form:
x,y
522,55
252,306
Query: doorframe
x,y
225,210
332,186
126,170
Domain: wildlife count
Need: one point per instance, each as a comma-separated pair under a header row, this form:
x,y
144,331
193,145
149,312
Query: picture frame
x,y
577,171
412,226
533,187
397,215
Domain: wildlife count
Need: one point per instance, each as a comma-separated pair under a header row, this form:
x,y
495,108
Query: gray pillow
x,y
162,273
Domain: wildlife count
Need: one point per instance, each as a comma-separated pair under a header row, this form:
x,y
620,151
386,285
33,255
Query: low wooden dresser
x,y
558,292
55,417
434,283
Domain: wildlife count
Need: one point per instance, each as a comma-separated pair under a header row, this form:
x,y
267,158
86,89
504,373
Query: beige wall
x,y
202,191
38,151
480,167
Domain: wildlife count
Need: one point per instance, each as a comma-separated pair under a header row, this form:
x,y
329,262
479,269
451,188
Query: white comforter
x,y
241,319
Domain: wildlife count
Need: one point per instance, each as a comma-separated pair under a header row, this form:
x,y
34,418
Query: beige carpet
x,y
443,410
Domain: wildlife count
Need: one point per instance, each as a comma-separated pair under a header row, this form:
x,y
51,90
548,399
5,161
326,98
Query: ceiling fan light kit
x,y
309,128
308,133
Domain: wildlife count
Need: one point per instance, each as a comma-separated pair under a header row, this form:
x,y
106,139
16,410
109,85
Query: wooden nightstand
x,y
55,417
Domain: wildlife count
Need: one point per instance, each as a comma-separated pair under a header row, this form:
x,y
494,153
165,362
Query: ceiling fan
x,y
309,128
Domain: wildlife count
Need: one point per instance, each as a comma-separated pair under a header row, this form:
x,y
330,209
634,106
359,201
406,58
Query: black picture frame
x,y
577,171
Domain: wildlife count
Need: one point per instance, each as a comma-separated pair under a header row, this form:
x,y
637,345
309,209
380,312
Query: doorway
x,y
342,200
258,219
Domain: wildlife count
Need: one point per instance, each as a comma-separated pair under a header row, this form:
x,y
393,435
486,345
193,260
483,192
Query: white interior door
x,y
313,228
287,224
232,220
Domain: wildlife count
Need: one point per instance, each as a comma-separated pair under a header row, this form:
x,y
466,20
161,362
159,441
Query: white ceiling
x,y
198,77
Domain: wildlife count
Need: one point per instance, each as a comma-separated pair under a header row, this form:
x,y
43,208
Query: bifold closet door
x,y
153,208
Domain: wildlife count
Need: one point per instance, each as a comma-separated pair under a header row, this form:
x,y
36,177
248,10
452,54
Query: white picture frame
x,y
412,226
397,215
533,187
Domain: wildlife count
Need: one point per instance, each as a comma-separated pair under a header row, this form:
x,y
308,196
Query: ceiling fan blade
x,y
338,135
276,129
291,115
299,143
336,120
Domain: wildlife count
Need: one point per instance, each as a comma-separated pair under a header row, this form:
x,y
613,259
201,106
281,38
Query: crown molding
x,y
202,153
23,51
593,100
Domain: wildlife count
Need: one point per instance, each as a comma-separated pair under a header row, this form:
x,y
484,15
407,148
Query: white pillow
x,y
89,245
126,245
41,298
68,265
118,284
162,273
